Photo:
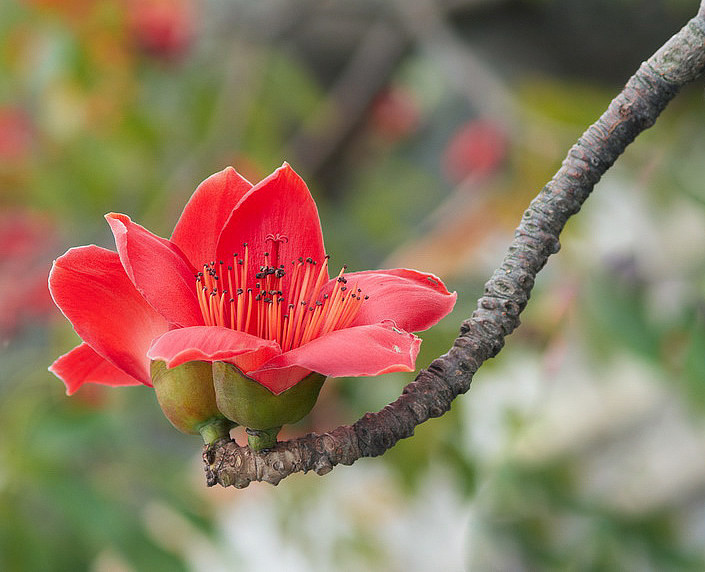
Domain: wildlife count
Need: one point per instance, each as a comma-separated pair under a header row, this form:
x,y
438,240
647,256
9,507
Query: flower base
x,y
185,394
247,402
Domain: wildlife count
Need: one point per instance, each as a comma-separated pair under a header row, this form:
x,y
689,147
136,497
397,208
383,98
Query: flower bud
x,y
186,395
252,405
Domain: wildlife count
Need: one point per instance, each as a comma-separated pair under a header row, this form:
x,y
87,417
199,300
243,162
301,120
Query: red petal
x,y
363,350
82,365
204,216
158,269
281,379
413,300
91,288
280,204
211,343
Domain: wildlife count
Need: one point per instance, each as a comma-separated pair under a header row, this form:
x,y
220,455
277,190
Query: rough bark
x,y
680,61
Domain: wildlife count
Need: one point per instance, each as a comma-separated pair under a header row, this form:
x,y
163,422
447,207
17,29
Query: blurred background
x,y
424,128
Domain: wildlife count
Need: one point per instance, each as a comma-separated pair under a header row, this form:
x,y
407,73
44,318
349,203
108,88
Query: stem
x,y
216,429
262,439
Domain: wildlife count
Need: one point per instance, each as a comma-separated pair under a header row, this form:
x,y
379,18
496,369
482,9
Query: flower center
x,y
292,315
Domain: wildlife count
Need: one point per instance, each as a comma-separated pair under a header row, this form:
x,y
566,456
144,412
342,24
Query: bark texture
x,y
680,61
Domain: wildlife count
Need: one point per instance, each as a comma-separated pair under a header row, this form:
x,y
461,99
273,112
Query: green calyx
x,y
263,413
186,395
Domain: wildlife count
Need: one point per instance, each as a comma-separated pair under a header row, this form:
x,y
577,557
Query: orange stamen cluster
x,y
292,318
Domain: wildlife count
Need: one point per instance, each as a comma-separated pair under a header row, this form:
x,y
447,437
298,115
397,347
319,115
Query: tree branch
x,y
680,61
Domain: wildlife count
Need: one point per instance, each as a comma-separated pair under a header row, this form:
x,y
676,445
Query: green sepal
x,y
252,405
187,397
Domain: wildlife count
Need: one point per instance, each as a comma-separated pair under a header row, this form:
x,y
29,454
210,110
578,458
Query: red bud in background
x,y
162,28
16,135
476,149
394,114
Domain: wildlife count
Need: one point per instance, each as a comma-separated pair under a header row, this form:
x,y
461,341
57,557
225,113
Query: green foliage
x,y
694,362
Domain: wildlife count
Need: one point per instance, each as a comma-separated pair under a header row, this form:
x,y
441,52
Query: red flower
x,y
395,114
476,149
163,28
244,280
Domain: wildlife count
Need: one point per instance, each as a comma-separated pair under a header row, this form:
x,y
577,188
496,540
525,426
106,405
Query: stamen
x,y
249,310
240,307
300,312
291,313
287,338
230,279
213,309
322,276
312,327
221,314
350,310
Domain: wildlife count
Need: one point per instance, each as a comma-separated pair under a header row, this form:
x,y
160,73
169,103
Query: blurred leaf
x,y
572,103
618,316
694,363
286,99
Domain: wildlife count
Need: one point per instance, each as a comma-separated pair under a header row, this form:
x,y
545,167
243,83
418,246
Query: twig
x,y
680,61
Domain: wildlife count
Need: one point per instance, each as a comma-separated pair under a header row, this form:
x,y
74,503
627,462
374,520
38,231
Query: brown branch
x,y
646,94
